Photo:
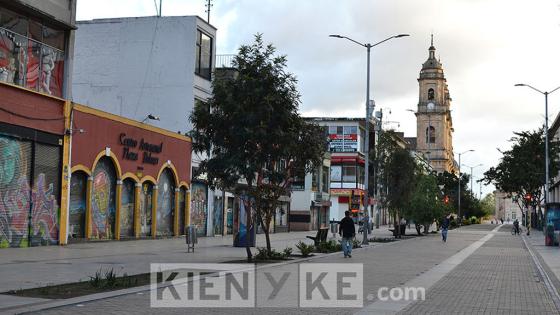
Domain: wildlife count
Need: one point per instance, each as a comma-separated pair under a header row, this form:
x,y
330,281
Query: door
x,y
77,217
146,209
126,217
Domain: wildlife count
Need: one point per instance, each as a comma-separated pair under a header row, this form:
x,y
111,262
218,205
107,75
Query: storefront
x,y
31,165
129,179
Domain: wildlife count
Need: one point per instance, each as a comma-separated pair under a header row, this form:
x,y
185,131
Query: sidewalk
x,y
23,268
550,254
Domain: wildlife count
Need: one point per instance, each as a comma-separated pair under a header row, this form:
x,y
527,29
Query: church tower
x,y
433,116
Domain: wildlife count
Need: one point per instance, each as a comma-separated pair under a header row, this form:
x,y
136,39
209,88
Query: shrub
x,y
356,244
474,220
304,248
328,247
287,252
466,222
264,254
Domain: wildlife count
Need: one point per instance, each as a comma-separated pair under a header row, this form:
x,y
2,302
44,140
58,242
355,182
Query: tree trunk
x,y
249,254
266,233
426,228
418,228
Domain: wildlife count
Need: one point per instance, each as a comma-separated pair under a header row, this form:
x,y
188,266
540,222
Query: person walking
x,y
347,230
444,228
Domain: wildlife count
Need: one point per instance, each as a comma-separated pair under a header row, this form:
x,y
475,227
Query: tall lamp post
x,y
368,111
459,189
546,157
472,167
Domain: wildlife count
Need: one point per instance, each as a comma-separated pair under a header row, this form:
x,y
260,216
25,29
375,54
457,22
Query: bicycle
x,y
515,231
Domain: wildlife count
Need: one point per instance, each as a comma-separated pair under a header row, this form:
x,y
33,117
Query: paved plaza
x,y
482,269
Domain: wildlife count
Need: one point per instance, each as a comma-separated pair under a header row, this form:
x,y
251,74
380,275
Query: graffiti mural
x,y
103,200
199,209
77,218
218,217
165,204
15,192
181,210
44,213
146,209
126,216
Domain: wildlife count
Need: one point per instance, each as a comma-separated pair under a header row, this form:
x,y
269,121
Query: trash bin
x,y
190,237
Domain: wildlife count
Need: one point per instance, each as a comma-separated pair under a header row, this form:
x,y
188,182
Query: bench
x,y
321,236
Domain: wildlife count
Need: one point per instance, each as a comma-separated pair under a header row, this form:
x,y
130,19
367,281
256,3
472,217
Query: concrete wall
x,y
60,10
138,66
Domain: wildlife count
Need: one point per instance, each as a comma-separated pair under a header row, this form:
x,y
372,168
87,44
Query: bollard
x,y
191,238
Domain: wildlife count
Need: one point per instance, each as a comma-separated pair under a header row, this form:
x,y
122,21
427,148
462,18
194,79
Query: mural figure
x,y
103,200
166,204
244,227
44,214
199,210
77,216
127,209
146,209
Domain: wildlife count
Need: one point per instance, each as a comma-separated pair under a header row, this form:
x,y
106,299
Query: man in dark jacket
x,y
444,227
347,230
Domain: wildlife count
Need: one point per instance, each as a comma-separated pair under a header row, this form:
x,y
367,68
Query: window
x,y
325,179
203,66
336,173
430,94
349,173
430,135
298,182
31,54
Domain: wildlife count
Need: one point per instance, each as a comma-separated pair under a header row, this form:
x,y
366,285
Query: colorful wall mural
x,y
218,218
20,201
146,209
165,204
199,208
77,218
181,210
103,200
126,216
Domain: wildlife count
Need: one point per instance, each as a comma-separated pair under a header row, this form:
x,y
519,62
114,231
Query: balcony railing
x,y
225,61
30,64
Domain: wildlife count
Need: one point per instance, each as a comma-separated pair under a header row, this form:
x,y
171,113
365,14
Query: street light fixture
x,y
151,117
459,189
368,112
546,166
472,167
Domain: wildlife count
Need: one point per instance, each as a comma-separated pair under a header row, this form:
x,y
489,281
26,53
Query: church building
x,y
433,116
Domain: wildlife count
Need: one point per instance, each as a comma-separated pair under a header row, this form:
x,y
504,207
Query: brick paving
x,y
498,278
389,265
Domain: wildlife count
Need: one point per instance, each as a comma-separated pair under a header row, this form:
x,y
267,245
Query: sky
x,y
485,46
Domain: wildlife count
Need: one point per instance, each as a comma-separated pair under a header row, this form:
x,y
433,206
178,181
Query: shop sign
x,y
132,149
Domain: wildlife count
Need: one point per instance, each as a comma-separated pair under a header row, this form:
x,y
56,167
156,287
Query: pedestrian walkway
x,y
498,278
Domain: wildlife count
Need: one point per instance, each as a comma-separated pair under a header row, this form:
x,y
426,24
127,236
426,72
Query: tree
x,y
252,132
426,202
520,172
488,205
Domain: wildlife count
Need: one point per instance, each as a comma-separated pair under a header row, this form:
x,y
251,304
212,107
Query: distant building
x,y
506,208
347,172
310,199
434,124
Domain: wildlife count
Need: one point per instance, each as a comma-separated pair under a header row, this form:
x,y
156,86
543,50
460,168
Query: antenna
x,y
208,5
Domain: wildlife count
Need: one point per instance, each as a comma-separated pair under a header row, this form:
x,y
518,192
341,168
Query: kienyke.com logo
x,y
240,285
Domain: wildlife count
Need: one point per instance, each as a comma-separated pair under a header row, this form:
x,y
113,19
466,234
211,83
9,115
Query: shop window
x,y
126,217
77,217
349,173
203,66
165,204
103,200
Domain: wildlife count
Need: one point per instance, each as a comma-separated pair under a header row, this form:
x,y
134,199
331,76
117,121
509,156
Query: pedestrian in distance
x,y
347,230
444,228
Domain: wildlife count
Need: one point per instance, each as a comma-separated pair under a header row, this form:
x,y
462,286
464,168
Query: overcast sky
x,y
486,46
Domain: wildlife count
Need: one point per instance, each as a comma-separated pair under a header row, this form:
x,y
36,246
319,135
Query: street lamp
x,y
368,112
471,167
459,189
546,178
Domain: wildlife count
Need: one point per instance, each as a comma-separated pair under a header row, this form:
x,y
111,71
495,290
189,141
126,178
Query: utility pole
x,y
208,6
